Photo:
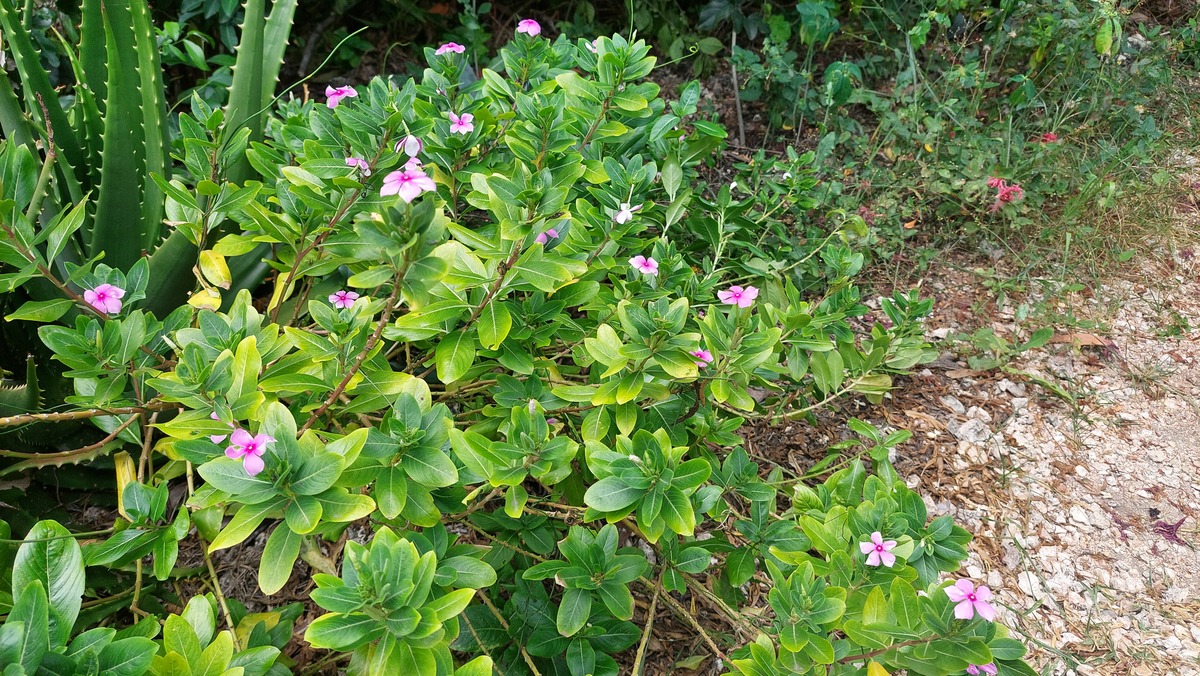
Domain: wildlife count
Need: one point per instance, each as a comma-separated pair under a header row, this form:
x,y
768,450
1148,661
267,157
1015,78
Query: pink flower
x,y
249,449
1048,137
529,27
218,438
105,298
461,124
544,237
970,600
703,357
343,299
1005,192
591,46
976,669
335,94
449,47
878,550
414,164
625,213
358,163
646,266
738,296
410,145
408,183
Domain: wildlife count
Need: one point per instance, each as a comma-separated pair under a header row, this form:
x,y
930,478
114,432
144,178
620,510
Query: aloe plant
x,y
107,147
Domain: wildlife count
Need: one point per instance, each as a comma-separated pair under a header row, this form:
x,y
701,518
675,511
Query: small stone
x,y
953,404
974,430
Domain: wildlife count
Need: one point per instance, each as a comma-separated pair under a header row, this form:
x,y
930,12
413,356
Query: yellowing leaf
x,y
126,474
215,270
876,669
206,299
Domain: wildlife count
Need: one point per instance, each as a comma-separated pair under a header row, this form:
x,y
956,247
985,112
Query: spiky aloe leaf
x,y
36,84
154,120
92,130
246,89
171,274
118,230
278,31
12,118
93,54
24,398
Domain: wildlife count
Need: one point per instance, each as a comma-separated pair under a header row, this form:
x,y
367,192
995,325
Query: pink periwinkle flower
x,y
544,237
408,183
249,449
736,295
105,298
646,266
591,46
1048,137
529,27
362,165
218,438
971,600
410,145
343,299
625,213
703,357
977,669
334,95
879,550
450,47
461,124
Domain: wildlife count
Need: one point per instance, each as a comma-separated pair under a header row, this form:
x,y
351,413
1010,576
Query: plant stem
x,y
641,651
26,418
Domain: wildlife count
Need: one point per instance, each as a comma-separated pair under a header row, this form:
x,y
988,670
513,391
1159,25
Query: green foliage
x,y
545,334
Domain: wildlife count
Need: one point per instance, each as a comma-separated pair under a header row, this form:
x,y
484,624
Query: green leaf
x,y
495,322
278,557
344,632
610,494
573,611
31,611
229,475
904,604
244,523
429,467
617,598
677,512
215,658
178,636
454,356
41,310
52,557
127,656
303,514
450,605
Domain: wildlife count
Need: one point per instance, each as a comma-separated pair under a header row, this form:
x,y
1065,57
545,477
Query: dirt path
x,y
1078,469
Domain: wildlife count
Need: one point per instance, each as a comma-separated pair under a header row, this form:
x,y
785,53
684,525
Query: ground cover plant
x,y
488,393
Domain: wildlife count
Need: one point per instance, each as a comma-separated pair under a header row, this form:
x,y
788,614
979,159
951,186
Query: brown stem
x,y
26,418
358,361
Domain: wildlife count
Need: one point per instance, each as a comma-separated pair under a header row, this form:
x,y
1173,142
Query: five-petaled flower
x,y
736,295
410,145
625,213
334,95
529,27
105,298
343,299
544,237
450,47
879,550
249,449
591,46
359,163
703,357
971,600
408,183
646,266
977,669
461,124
